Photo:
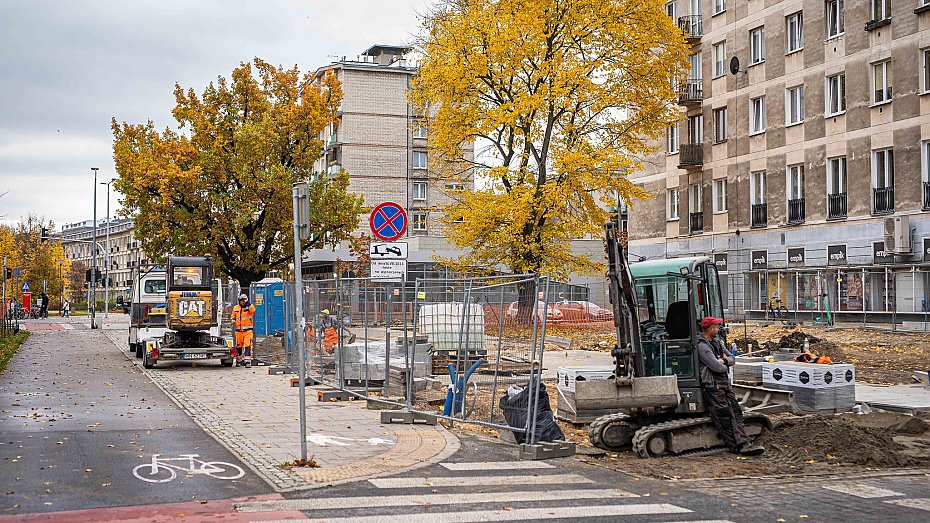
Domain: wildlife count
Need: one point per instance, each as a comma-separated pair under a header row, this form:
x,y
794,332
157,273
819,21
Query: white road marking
x,y
484,481
324,440
498,465
67,326
521,514
862,490
428,499
918,503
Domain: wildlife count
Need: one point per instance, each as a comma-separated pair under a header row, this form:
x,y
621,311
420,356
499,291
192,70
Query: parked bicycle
x,y
163,470
777,310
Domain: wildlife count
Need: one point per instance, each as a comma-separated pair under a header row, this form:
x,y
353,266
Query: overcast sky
x,y
68,67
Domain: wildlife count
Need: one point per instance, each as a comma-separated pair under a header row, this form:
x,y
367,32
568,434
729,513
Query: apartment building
x,y
122,250
383,145
801,161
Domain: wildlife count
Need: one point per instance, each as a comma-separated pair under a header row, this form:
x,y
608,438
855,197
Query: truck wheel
x,y
226,362
140,349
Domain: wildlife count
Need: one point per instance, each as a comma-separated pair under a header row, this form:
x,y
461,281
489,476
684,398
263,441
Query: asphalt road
x,y
77,417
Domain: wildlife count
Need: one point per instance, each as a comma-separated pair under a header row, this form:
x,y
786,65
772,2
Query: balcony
x,y
692,92
691,26
690,155
836,206
796,211
760,215
883,200
926,199
697,222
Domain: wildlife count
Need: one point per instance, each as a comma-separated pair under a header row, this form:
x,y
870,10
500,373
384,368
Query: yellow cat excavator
x,y
192,316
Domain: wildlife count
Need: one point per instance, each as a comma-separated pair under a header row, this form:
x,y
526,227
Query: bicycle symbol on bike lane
x,y
163,470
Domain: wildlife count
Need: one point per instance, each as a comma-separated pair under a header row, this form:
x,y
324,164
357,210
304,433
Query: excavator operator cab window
x,y
665,335
187,276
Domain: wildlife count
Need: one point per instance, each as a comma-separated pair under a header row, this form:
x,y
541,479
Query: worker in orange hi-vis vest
x,y
243,318
327,325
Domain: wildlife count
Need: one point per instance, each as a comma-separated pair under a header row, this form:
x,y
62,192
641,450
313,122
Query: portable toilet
x,y
268,297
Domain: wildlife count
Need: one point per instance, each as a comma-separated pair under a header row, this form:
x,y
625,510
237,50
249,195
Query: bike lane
x,y
76,419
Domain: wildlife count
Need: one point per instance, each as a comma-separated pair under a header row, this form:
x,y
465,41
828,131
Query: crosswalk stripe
x,y
515,515
498,465
862,490
428,499
918,503
484,481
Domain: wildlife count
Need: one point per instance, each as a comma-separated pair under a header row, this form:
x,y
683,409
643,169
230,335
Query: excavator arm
x,y
628,357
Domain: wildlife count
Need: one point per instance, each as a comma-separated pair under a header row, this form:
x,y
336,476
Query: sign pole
x,y
299,323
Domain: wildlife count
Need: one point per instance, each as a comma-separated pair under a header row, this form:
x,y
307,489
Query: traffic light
x,y
96,273
8,274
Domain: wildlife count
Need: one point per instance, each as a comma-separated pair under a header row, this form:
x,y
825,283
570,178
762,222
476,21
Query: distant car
x,y
551,312
584,311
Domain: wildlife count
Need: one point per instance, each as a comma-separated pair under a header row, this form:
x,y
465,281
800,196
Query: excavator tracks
x,y
650,442
612,432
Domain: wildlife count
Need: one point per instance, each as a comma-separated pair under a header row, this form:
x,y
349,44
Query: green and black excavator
x,y
655,391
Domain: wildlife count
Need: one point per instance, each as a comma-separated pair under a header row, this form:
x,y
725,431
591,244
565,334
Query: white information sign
x,y
393,270
388,250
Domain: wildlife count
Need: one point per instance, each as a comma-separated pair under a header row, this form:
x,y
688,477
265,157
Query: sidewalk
x,y
255,415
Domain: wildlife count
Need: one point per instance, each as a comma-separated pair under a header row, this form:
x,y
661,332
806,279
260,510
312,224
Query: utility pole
x,y
93,269
106,278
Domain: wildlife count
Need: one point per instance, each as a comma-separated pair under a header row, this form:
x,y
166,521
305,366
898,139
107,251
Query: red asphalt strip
x,y
207,510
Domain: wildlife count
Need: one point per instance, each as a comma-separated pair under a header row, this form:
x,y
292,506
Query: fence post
x,y
500,346
299,313
537,362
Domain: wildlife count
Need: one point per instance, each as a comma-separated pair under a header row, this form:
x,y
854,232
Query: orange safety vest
x,y
243,319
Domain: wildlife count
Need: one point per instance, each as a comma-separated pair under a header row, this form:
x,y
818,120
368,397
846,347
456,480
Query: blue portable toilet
x,y
268,297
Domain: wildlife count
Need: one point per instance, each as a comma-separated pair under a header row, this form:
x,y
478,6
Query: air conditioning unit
x,y
898,235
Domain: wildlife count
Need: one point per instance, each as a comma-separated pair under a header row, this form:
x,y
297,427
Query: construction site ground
x,y
812,444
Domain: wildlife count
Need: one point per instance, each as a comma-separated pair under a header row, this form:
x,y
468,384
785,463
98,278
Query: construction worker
x,y
243,318
718,393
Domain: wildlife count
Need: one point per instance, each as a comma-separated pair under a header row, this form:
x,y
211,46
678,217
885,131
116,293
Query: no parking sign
x,y
388,221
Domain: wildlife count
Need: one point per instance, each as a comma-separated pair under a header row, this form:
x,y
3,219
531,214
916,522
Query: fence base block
x,y
547,450
309,382
274,371
407,418
334,395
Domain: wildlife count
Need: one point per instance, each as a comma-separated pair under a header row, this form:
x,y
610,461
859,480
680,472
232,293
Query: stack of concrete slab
x,y
816,387
569,409
748,370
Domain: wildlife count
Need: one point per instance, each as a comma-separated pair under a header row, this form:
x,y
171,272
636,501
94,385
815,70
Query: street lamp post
x,y
93,268
106,277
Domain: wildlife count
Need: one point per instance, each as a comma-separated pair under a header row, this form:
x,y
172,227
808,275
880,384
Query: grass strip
x,y
9,345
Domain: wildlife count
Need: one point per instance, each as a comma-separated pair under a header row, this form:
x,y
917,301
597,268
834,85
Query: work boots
x,y
751,449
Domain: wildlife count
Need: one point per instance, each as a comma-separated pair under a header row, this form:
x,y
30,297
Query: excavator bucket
x,y
652,391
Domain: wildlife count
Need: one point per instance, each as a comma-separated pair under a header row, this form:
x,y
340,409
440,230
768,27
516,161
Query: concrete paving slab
x,y
899,398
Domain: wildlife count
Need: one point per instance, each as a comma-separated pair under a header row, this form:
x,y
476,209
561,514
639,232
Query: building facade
x,y
383,146
123,251
801,160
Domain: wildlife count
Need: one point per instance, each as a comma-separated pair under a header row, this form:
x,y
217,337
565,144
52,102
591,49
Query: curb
x,y
255,458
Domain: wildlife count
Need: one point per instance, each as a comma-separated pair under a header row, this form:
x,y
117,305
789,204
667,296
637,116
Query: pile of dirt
x,y
793,340
844,440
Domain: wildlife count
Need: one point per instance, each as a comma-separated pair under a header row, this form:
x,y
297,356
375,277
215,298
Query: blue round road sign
x,y
388,221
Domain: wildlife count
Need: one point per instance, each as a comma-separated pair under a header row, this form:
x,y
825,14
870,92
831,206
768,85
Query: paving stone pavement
x,y
255,415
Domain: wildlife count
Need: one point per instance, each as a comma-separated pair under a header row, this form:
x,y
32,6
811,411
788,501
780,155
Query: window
x,y
881,77
881,10
696,129
794,27
696,72
419,191
720,6
925,64
720,59
757,188
720,125
757,115
672,138
794,105
834,13
835,95
419,160
696,197
419,221
757,46
836,175
720,195
672,204
671,9
795,182
883,169
419,131
925,157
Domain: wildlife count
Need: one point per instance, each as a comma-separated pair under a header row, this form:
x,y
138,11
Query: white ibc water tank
x,y
450,326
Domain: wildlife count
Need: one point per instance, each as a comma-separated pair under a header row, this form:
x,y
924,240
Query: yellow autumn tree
x,y
44,263
561,97
222,184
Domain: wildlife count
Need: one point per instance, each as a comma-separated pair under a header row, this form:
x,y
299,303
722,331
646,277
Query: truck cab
x,y
148,307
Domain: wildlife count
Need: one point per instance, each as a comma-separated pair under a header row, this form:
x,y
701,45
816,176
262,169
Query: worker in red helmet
x,y
243,318
714,361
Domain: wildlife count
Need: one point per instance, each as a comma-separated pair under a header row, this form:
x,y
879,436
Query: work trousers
x,y
727,416
244,344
